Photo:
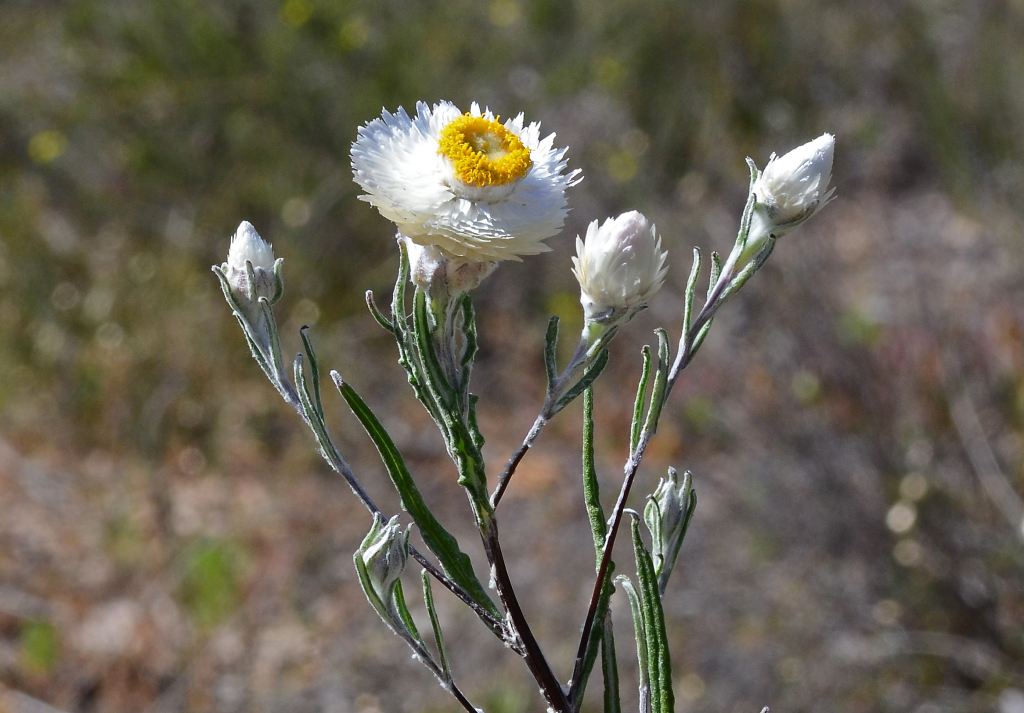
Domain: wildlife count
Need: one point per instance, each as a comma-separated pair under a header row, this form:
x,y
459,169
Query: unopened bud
x,y
249,249
791,189
383,554
667,516
619,266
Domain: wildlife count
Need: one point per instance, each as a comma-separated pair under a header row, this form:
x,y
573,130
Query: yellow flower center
x,y
483,152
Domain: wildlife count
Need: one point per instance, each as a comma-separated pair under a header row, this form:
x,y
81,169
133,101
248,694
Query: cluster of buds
x,y
667,516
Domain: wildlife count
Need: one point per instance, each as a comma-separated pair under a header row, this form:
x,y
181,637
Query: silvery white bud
x,y
384,553
667,515
249,249
791,189
619,266
428,264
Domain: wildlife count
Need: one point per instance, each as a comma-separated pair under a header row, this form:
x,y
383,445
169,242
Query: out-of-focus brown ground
x,y
169,539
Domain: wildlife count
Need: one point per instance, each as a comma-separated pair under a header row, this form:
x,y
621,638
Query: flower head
x,y
794,187
619,266
248,248
467,184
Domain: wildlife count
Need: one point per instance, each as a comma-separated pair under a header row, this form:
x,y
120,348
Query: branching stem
x,y
685,354
513,462
339,466
550,688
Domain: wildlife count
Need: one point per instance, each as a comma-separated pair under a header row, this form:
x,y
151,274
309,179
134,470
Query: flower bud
x,y
249,249
619,266
427,264
667,516
383,555
791,189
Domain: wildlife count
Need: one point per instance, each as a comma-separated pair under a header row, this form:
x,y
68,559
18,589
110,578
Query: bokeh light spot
x,y
901,517
353,34
296,13
47,146
504,13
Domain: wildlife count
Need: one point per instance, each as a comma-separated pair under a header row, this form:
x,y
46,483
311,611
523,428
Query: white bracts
x,y
620,266
791,189
248,247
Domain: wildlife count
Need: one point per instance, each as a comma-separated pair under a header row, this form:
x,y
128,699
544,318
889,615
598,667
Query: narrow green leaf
x,y
585,381
455,563
601,617
591,489
659,390
256,353
748,210
716,270
314,417
551,351
640,634
598,528
250,281
691,289
377,314
699,339
314,371
659,660
458,437
276,363
474,427
399,318
406,351
470,344
609,667
748,270
405,616
435,624
641,399
278,280
407,359
432,373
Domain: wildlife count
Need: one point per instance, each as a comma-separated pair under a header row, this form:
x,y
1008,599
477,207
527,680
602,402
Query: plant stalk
x,y
550,688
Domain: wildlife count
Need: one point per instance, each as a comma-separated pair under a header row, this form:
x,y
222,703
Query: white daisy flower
x,y
477,189
620,266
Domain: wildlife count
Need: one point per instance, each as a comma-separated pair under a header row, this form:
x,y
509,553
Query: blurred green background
x,y
169,540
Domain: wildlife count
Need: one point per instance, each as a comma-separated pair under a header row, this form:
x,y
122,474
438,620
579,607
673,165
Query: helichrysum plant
x,y
466,192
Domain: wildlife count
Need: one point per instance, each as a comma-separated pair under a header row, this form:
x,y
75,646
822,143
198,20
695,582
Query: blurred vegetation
x,y
39,646
210,589
162,490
